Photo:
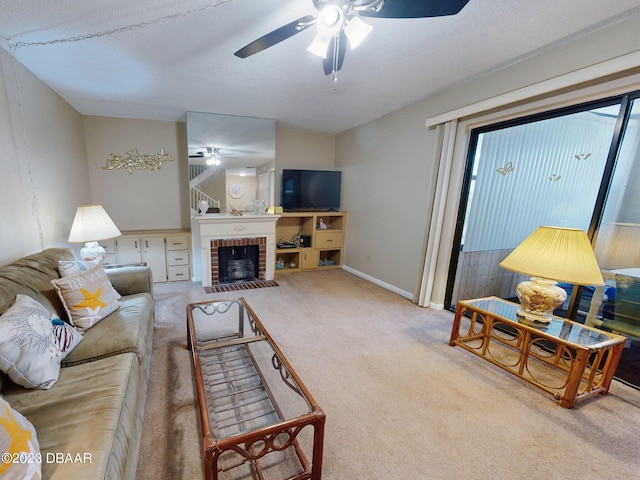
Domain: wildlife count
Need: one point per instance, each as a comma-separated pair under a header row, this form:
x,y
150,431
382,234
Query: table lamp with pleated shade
x,y
551,255
92,223
618,246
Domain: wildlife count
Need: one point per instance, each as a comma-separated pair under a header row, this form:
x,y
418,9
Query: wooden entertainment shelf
x,y
326,249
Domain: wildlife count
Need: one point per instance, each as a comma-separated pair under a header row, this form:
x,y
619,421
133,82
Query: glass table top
x,y
246,382
561,328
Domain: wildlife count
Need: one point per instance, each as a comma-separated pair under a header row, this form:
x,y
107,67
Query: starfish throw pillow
x,y
88,296
21,457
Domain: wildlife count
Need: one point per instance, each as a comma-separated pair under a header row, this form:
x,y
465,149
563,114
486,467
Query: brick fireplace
x,y
213,231
260,242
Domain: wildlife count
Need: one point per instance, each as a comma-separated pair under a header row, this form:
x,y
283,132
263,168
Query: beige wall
x,y
387,188
395,155
43,164
303,150
159,199
144,199
250,191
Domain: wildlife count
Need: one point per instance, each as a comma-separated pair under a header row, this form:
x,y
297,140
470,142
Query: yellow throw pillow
x,y
88,297
21,457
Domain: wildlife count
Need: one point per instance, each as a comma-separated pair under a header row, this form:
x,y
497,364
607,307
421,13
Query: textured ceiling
x,y
157,59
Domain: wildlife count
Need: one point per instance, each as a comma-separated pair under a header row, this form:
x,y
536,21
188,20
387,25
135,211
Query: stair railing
x,y
197,195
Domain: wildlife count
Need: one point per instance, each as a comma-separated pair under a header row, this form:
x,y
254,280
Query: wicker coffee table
x,y
566,359
258,419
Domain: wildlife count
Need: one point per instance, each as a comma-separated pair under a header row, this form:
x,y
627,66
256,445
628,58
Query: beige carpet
x,y
400,402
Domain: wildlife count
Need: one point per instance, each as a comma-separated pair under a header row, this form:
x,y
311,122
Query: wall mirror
x,y
231,162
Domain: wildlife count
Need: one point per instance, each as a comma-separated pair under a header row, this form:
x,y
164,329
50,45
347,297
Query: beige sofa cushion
x,y
32,276
120,332
92,413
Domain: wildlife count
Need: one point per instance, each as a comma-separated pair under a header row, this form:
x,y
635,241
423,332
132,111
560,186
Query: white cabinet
x,y
128,250
153,252
167,254
148,249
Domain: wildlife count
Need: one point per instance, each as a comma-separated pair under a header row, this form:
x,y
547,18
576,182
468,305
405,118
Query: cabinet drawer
x,y
328,239
178,257
178,242
178,273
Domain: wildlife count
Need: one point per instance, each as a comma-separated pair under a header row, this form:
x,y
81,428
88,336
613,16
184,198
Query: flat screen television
x,y
307,190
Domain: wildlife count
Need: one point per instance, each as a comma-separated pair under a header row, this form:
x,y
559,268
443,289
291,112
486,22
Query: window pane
x,y
546,172
617,305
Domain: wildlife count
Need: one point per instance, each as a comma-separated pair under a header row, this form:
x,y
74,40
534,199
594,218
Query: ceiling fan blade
x,y
277,36
342,50
417,8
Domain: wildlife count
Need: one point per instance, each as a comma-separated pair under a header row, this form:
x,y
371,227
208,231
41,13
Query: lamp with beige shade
x,y
551,255
618,246
92,223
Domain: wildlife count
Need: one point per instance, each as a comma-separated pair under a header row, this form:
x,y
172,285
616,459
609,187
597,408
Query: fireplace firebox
x,y
238,260
238,264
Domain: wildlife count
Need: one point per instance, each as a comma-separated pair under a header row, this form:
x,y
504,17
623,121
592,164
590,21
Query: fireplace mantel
x,y
223,226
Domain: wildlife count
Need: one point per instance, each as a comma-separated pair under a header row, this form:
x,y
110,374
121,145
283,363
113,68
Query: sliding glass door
x,y
573,167
617,242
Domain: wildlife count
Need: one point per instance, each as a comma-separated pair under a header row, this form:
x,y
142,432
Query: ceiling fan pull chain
x,y
334,73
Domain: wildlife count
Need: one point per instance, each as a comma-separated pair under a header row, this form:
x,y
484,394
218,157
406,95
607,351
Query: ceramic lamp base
x,y
92,251
539,297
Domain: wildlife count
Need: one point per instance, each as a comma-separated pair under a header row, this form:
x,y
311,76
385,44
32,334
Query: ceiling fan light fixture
x,y
214,162
329,24
330,20
213,158
319,46
356,31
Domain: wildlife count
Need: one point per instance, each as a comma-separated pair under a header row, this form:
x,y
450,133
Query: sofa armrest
x,y
131,280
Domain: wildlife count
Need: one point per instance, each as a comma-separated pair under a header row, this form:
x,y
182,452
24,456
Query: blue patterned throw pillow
x,y
33,342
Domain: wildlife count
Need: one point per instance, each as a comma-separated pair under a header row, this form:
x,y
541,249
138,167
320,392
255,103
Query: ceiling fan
x,y
339,21
212,155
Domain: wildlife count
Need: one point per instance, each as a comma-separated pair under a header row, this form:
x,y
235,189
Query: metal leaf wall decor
x,y
137,161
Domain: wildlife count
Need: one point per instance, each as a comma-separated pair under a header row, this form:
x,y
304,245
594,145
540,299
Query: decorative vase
x,y
203,206
539,297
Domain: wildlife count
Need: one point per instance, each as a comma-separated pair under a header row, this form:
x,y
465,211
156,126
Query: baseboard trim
x,y
388,286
